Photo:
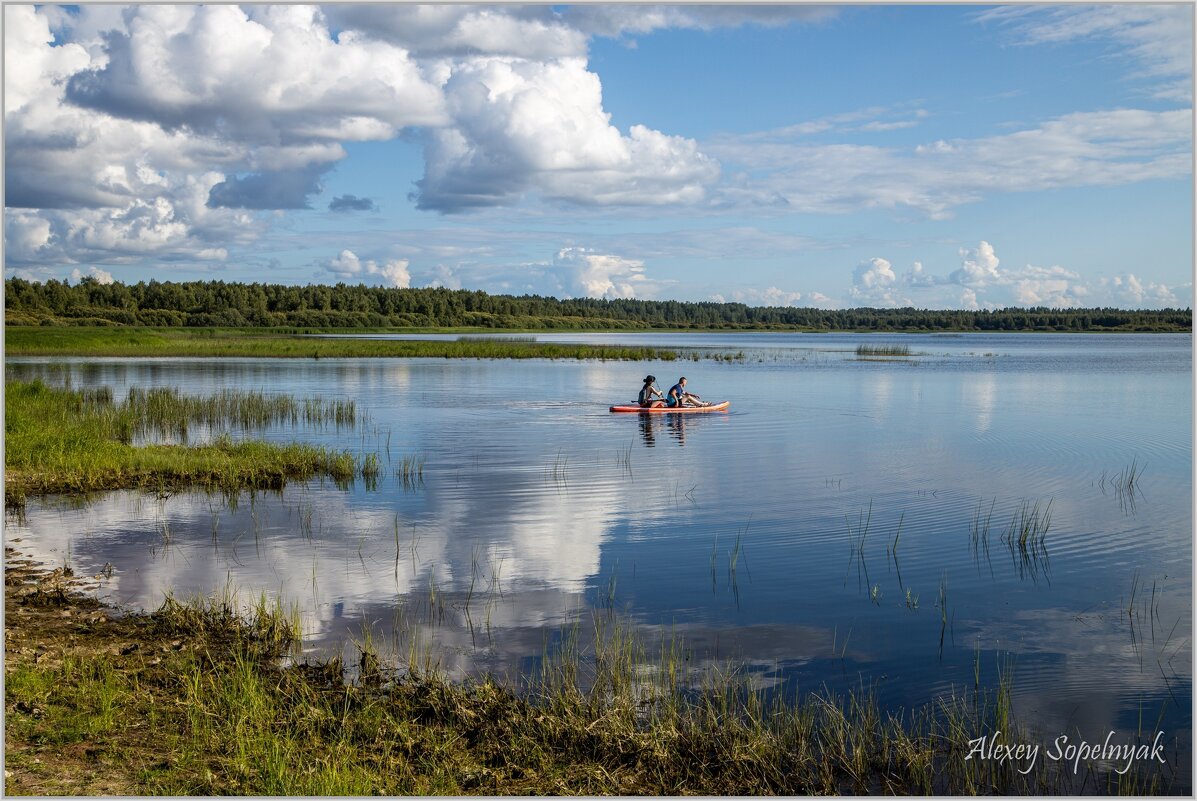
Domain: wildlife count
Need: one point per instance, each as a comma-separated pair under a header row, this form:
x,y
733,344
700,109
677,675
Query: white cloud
x,y
443,276
1049,286
348,267
1104,148
770,296
585,273
102,277
979,267
981,283
1158,37
522,127
445,31
1129,289
818,299
874,284
116,144
619,19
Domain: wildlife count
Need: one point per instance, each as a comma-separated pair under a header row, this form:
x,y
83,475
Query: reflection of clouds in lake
x,y
981,396
332,551
1062,656
880,392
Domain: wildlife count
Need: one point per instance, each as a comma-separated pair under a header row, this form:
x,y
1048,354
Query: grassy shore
x,y
191,699
64,440
288,343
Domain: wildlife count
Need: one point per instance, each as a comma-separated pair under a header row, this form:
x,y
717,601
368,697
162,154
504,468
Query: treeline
x,y
221,304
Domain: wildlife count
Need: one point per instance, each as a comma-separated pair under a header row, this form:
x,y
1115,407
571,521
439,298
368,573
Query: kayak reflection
x,y
676,425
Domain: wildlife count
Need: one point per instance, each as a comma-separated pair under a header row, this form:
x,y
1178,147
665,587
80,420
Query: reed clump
x,y
882,350
61,440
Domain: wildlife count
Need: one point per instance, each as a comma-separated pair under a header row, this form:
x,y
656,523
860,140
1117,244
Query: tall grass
x,y
605,714
882,350
63,440
139,342
164,410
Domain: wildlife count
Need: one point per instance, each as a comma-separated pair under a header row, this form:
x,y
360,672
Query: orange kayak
x,y
635,407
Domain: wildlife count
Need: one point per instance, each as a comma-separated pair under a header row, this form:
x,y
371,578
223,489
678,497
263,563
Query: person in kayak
x,y
650,396
678,396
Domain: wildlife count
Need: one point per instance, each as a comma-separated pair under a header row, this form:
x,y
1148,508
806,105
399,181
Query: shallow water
x,y
819,534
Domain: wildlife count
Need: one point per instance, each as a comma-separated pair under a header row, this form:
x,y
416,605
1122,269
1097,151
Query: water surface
x,y
841,527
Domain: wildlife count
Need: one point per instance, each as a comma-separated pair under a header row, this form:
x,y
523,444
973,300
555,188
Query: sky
x,y
958,157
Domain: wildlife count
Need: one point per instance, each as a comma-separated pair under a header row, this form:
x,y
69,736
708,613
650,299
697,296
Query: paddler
x,y
678,396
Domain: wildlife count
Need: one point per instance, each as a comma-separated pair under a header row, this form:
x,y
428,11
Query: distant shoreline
x,y
221,305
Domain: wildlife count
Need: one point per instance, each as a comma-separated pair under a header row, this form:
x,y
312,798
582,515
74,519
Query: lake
x,y
849,523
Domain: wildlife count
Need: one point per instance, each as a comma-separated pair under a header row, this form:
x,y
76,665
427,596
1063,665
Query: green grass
x,y
204,708
287,343
62,440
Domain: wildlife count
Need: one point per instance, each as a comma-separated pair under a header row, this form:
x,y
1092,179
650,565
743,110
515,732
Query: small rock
x,y
128,649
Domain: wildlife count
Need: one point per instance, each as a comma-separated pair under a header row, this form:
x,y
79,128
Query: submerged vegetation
x,y
66,440
192,699
292,343
218,303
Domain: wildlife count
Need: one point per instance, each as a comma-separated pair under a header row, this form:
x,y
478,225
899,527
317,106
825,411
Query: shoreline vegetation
x,y
292,343
218,304
61,440
195,698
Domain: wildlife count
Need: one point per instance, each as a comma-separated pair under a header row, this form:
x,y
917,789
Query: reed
x,y
882,350
70,441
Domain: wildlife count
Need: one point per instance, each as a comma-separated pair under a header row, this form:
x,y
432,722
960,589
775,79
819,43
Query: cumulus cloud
x,y
822,301
348,267
770,296
875,284
443,276
585,273
980,282
534,32
1130,290
978,268
102,277
351,203
274,76
113,116
1049,286
522,126
108,187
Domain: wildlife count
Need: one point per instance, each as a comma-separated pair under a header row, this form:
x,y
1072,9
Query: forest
x,y
237,305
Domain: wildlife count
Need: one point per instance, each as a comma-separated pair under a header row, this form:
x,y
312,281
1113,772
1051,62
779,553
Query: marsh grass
x,y
605,713
882,350
139,342
60,440
166,411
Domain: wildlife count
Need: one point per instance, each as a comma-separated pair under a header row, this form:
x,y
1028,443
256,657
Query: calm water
x,y
818,534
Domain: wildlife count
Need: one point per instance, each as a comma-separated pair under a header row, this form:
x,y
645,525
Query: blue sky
x,y
934,156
